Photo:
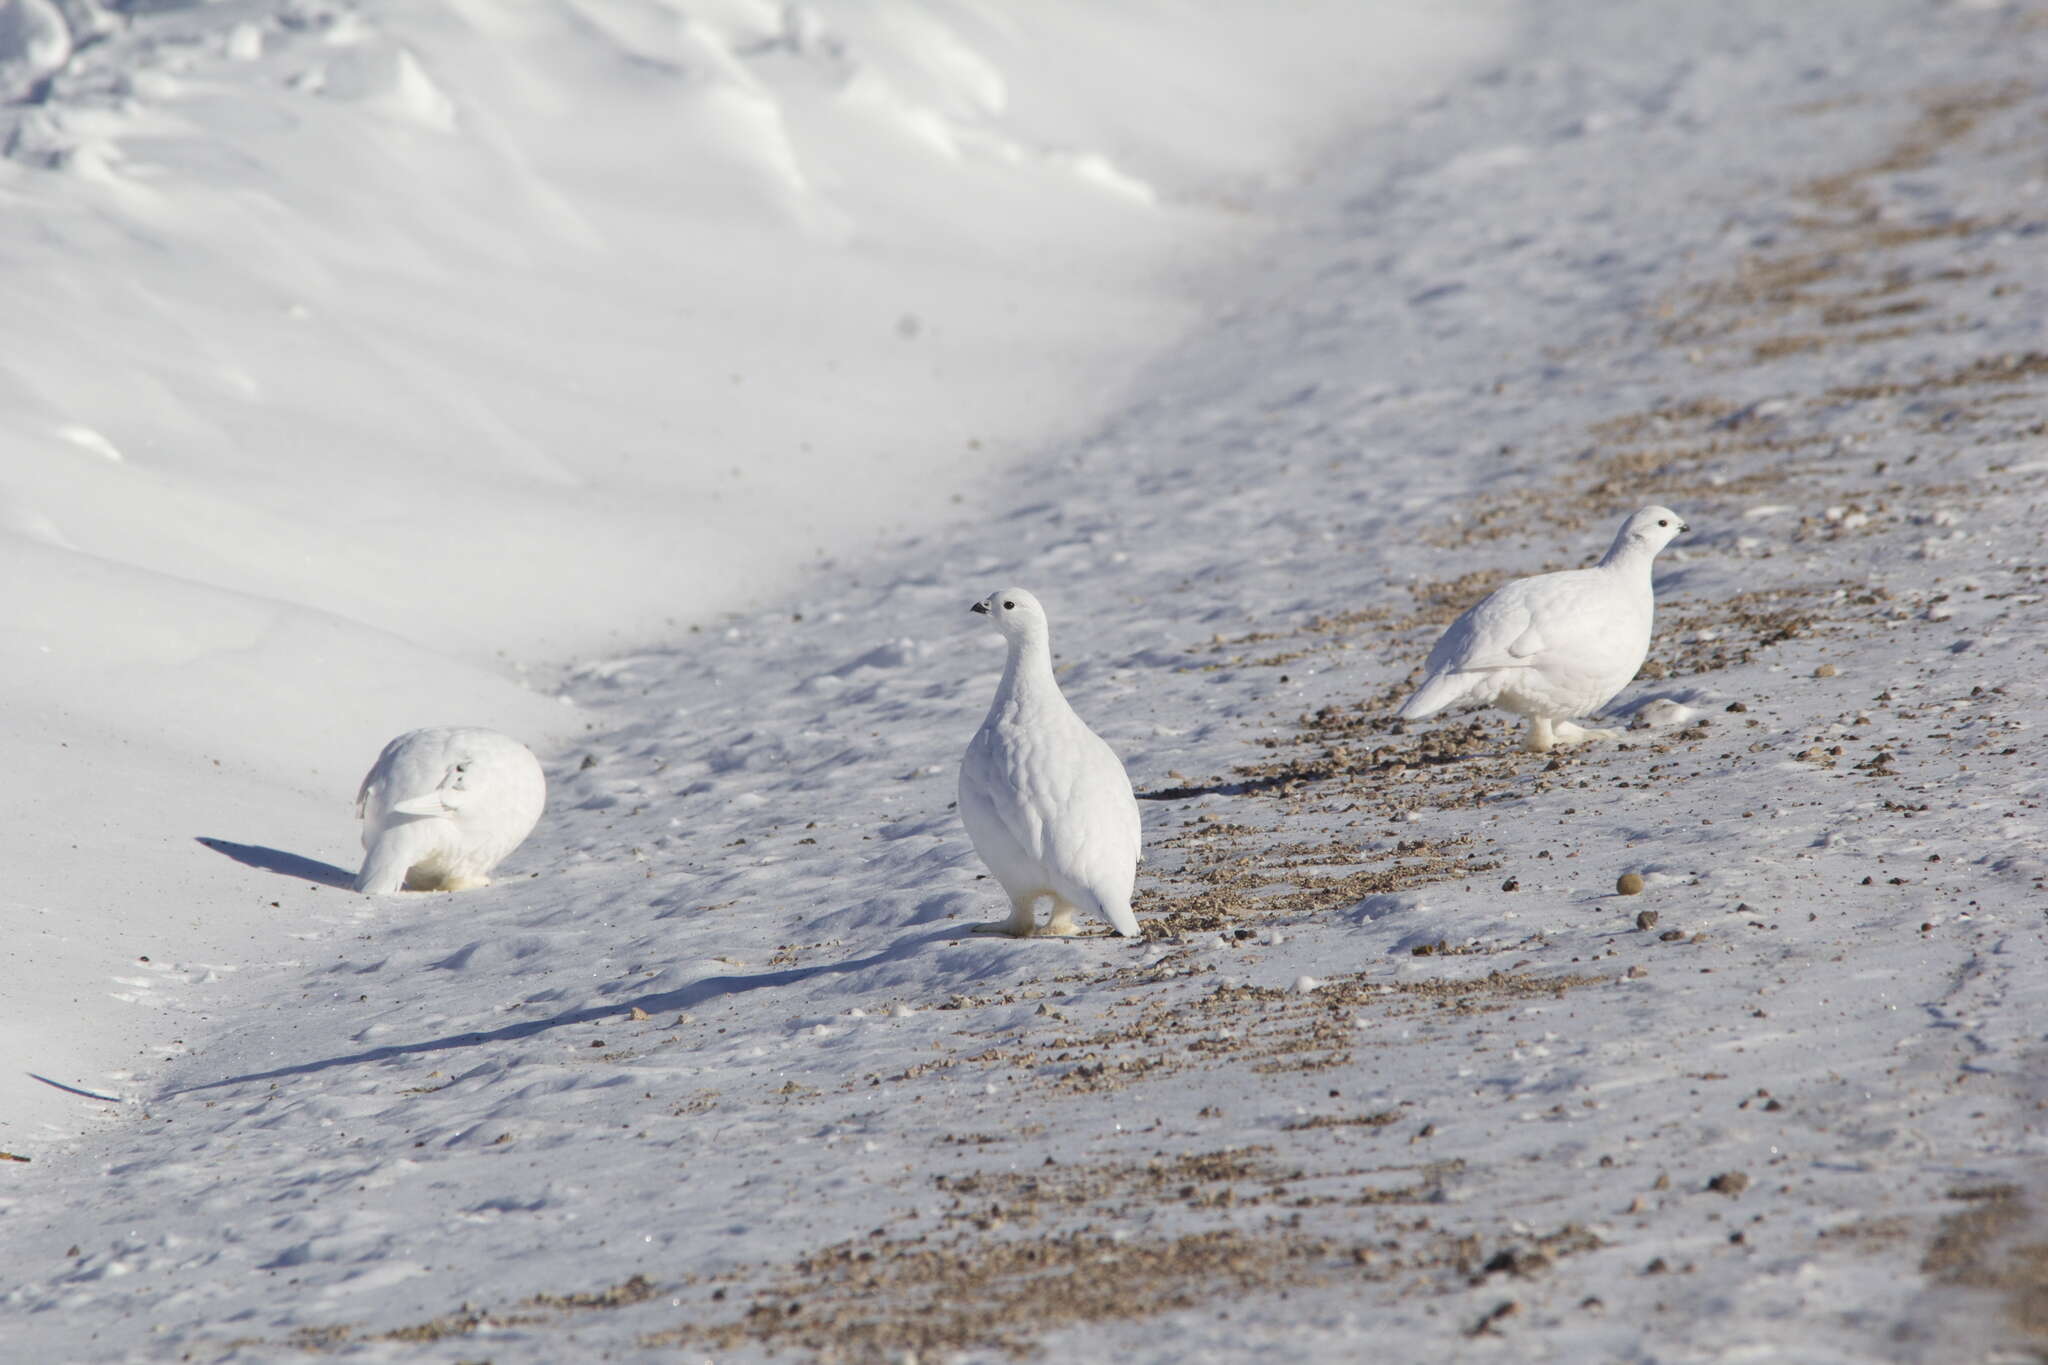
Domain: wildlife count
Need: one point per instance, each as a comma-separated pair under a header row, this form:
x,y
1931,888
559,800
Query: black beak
x,y
1683,527
981,607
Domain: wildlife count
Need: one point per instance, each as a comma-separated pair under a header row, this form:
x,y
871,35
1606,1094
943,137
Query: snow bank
x,y
359,356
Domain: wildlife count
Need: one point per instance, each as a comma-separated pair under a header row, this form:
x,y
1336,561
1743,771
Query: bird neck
x,y
1027,674
1628,552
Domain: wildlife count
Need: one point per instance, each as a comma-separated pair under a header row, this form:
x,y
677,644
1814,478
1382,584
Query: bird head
x,y
1654,526
1015,614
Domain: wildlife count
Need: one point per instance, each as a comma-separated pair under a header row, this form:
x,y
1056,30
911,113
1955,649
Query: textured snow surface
x,y
363,360
1400,1070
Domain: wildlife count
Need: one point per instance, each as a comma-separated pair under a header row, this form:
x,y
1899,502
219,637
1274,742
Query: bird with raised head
x,y
1557,645
1044,798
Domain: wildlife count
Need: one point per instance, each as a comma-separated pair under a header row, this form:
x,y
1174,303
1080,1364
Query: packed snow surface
x,y
1720,1042
363,361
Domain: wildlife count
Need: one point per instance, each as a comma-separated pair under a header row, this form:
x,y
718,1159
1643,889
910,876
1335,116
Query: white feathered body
x,y
443,806
1556,646
1046,800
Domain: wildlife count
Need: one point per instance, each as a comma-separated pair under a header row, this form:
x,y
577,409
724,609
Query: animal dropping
x,y
443,806
1557,645
1044,798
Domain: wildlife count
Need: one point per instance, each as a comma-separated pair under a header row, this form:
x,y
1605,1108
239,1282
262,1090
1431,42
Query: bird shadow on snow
x,y
688,997
1248,786
282,863
72,1089
1252,785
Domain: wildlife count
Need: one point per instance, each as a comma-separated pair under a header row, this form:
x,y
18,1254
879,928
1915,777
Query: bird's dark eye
x,y
1008,606
1662,522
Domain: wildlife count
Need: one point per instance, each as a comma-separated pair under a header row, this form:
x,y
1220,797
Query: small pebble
x,y
1671,935
1646,919
1730,1183
1629,884
1825,671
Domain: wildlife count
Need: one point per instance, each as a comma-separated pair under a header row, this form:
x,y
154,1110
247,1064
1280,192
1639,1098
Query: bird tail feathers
x,y
1435,694
383,870
393,854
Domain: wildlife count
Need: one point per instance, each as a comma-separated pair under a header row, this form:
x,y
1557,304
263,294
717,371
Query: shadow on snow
x,y
282,863
687,997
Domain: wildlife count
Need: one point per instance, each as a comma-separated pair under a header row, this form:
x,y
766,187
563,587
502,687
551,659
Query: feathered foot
x,y
1023,920
417,880
1545,735
1568,733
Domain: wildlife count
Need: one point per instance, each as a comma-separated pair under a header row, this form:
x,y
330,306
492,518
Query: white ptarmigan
x,y
1556,645
443,806
1044,798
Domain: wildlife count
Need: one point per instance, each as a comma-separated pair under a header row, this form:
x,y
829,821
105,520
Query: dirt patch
x,y
993,1277
1707,636
1983,1246
888,1300
1835,276
1270,1030
1227,876
468,1319
2010,368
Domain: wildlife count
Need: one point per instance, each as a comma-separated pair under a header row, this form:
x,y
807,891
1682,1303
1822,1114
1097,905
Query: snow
x,y
715,1070
365,362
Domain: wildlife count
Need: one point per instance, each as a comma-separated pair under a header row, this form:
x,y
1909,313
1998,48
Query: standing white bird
x,y
1556,645
1045,799
443,806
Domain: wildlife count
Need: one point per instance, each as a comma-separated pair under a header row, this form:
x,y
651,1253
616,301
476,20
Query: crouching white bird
x,y
1556,645
443,806
1045,799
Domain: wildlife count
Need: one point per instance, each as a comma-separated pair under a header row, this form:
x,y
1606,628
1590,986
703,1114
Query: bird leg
x,y
1546,734
1023,920
1568,733
1062,923
421,880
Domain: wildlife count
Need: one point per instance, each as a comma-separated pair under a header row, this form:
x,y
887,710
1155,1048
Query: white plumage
x,y
1045,799
443,806
1556,645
